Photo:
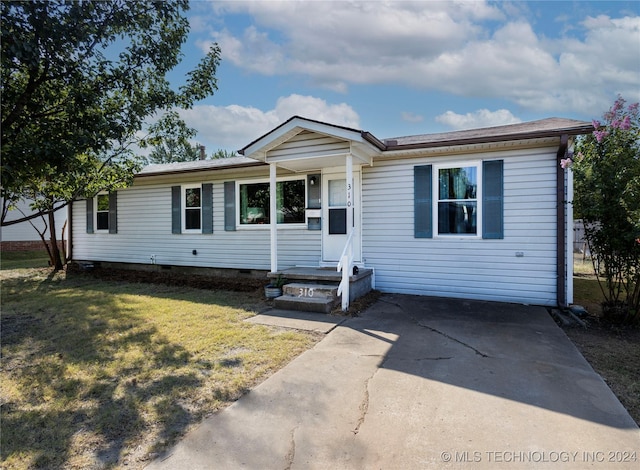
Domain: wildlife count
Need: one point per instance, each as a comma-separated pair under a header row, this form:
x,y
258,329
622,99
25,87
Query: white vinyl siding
x,y
144,230
309,144
465,267
449,266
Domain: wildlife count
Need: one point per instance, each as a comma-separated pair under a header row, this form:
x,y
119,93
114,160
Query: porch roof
x,y
297,124
279,145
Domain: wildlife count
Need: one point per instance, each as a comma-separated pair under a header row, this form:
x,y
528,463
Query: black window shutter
x,y
176,209
207,208
230,206
90,215
493,199
422,194
113,212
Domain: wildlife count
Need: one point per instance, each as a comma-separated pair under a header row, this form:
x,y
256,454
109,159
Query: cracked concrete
x,y
435,330
479,353
484,380
291,454
364,405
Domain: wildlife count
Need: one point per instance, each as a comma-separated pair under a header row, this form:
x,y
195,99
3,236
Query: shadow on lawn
x,y
85,370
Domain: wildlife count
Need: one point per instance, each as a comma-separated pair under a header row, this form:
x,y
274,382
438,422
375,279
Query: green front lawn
x,y
23,259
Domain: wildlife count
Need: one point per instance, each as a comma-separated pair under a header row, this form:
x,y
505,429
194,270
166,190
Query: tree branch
x,y
35,215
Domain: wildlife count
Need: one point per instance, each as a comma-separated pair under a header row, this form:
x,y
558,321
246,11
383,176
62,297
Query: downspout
x,y
561,242
569,230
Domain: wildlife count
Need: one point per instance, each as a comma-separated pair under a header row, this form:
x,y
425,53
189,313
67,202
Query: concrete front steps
x,y
316,289
308,297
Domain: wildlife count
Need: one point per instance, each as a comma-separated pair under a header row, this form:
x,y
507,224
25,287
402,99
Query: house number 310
x,y
305,292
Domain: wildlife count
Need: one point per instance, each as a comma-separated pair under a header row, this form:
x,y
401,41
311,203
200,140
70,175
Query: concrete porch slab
x,y
318,274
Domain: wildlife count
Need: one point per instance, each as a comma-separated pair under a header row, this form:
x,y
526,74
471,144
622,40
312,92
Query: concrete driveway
x,y
421,383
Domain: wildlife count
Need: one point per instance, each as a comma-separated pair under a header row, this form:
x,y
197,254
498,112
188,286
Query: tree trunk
x,y
54,253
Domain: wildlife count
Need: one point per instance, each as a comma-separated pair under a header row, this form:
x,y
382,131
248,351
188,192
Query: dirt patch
x,y
614,353
359,305
235,284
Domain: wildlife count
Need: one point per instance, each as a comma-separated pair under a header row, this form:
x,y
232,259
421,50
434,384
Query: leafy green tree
x,y
221,153
169,141
607,196
78,81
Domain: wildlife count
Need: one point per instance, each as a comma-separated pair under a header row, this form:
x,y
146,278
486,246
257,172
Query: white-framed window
x,y
253,206
457,199
102,212
192,208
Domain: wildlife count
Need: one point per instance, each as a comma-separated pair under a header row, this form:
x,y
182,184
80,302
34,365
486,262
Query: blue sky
x,y
404,68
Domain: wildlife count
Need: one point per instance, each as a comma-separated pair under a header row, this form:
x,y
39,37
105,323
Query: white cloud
x,y
253,51
464,48
479,118
412,117
338,42
607,62
316,108
232,127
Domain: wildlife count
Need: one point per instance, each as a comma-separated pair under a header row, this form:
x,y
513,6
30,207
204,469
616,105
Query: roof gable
x,y
297,124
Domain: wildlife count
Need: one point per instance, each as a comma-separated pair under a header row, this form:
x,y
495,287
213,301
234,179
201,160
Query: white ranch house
x,y
477,214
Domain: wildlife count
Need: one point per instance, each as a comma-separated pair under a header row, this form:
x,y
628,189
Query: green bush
x,y
607,197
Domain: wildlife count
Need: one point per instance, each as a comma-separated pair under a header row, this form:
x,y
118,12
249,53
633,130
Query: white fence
x,y
578,236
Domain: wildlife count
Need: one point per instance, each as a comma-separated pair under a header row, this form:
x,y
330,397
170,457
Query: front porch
x,y
331,157
315,289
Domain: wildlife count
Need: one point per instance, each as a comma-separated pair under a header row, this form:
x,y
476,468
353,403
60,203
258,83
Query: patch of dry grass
x,y
582,266
103,374
615,354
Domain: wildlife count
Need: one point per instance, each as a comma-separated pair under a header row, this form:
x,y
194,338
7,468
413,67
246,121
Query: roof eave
x,y
579,130
198,170
373,140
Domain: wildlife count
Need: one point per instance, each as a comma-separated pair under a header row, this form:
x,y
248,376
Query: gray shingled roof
x,y
198,165
526,130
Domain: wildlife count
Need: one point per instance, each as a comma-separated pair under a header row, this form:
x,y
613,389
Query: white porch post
x,y
349,194
347,259
273,217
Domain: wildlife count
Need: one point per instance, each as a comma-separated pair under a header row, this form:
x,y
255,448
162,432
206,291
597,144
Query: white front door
x,y
334,214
